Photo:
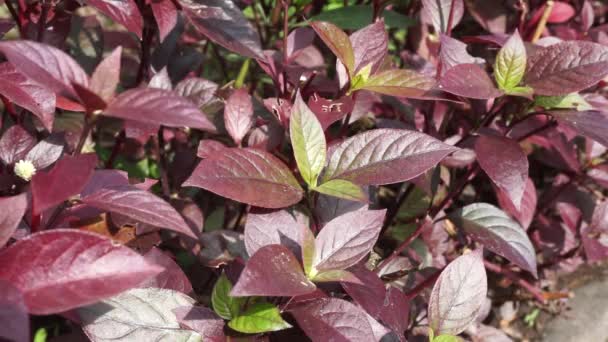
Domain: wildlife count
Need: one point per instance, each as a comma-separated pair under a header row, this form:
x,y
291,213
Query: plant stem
x,y
42,20
86,130
471,173
15,14
116,149
543,21
450,19
514,277
159,150
404,191
403,245
423,285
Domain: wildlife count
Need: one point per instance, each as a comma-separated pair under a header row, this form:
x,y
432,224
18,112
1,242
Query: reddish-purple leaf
x,y
525,214
370,45
223,22
338,42
198,90
106,76
124,12
333,319
454,52
13,209
14,319
272,271
505,163
238,114
161,80
497,232
248,175
566,67
329,207
345,240
209,148
27,94
397,313
159,107
46,152
172,277
299,39
458,294
469,80
592,124
384,156
370,293
139,205
15,144
560,13
45,65
63,269
330,111
103,179
202,320
165,14
65,179
595,235
437,13
280,227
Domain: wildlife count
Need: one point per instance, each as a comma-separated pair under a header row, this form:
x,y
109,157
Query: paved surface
x,y
587,321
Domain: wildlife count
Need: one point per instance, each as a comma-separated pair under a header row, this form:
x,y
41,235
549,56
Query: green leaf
x,y
259,318
224,305
342,189
510,63
522,91
338,42
359,16
308,251
41,335
308,141
447,338
574,100
398,82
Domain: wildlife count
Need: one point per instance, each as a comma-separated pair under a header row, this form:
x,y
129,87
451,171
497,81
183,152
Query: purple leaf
x,y
497,232
592,124
333,319
454,52
13,209
505,163
15,144
566,67
469,80
63,269
202,320
209,148
172,277
238,115
124,12
198,90
338,42
64,180
27,94
345,240
159,107
370,293
272,271
14,319
250,176
329,207
106,76
140,205
384,156
165,14
46,152
45,65
330,111
458,294
397,313
525,214
437,13
370,45
223,23
595,235
137,314
299,39
280,227
161,80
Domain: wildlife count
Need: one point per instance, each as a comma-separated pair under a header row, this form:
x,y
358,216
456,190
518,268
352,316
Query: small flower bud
x,y
25,169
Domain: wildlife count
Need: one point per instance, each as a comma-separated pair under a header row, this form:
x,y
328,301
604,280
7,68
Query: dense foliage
x,y
187,170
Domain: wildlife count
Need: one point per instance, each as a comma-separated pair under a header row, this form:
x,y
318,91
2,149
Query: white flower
x,y
25,169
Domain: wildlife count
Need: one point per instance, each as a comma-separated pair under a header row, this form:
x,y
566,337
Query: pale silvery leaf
x,y
138,315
